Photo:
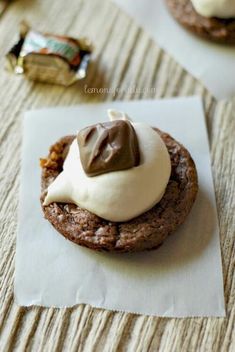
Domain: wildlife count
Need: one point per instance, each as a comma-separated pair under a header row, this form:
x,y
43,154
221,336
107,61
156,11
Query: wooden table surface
x,y
124,57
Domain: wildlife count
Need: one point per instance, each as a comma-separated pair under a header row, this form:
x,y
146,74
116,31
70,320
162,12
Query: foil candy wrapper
x,y
48,57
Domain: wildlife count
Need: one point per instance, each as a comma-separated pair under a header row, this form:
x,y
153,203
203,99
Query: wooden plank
x,y
124,56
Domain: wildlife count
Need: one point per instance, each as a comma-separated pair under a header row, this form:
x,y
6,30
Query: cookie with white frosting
x,y
124,210
210,19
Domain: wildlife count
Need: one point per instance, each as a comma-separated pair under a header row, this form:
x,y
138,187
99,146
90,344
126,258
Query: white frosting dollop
x,y
119,195
215,8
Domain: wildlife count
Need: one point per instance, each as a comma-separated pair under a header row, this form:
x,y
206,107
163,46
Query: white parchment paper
x,y
182,278
213,64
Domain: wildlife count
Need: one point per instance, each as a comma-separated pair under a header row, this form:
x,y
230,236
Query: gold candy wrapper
x,y
49,58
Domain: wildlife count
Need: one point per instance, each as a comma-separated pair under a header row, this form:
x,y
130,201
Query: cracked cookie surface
x,y
148,230
215,29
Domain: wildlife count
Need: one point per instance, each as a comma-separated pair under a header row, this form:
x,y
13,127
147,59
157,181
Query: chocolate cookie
x,y
215,29
146,231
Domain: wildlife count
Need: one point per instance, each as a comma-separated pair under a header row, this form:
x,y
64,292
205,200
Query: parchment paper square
x,y
182,278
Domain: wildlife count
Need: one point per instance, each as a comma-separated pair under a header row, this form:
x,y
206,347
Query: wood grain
x,y
124,57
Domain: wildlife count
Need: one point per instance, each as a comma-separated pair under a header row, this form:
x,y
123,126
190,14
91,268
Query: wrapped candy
x,y
48,57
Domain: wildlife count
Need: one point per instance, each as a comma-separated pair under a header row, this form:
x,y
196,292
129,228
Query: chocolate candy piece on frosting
x,y
109,146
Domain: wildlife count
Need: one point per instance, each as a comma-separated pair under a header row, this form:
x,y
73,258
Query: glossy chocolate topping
x,y
109,146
